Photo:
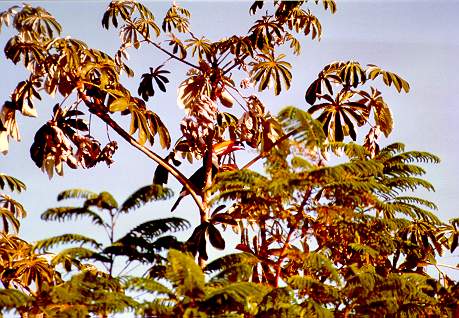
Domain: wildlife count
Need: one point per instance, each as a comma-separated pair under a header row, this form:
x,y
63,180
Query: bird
x,y
198,178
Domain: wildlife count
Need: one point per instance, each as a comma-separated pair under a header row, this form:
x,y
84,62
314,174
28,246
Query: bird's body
x,y
198,180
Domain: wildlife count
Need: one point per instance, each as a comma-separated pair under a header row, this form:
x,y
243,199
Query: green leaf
x,y
68,213
185,275
120,104
51,242
146,194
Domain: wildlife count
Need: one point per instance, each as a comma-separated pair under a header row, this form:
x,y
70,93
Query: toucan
x,y
198,177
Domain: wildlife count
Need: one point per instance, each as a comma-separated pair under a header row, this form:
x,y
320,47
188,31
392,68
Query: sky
x,y
416,39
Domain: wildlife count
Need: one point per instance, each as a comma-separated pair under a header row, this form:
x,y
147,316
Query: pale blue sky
x,y
416,39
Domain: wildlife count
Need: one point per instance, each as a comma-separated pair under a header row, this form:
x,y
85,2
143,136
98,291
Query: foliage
x,y
317,238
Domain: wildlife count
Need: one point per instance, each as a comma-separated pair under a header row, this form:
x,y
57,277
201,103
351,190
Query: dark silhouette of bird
x,y
198,178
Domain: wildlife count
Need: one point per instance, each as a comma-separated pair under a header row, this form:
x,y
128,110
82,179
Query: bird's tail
x,y
176,203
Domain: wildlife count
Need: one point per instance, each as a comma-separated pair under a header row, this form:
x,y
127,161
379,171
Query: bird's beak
x,y
226,147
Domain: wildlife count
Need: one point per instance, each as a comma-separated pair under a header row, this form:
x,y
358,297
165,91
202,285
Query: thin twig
x,y
105,117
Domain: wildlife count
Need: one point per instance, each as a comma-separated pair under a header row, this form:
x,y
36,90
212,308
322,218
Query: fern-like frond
x,y
311,287
227,261
62,214
12,183
76,194
400,184
364,278
233,267
317,262
157,308
312,308
363,249
51,242
69,259
418,201
12,299
238,179
238,293
103,200
144,195
246,184
402,170
306,128
350,149
391,150
158,227
346,171
415,156
185,275
143,284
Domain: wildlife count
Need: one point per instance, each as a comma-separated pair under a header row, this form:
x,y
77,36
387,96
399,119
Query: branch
x,y
282,256
236,63
150,154
172,55
166,51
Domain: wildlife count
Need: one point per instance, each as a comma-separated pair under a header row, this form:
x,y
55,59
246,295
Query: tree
x,y
317,239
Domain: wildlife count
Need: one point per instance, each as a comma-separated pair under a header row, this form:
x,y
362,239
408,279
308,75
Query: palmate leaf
x,y
157,127
12,183
5,16
39,23
144,195
191,90
124,9
52,242
389,78
146,85
35,269
62,214
10,212
215,237
31,54
272,70
328,5
199,46
177,18
339,114
311,25
256,6
177,46
264,31
8,218
352,74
